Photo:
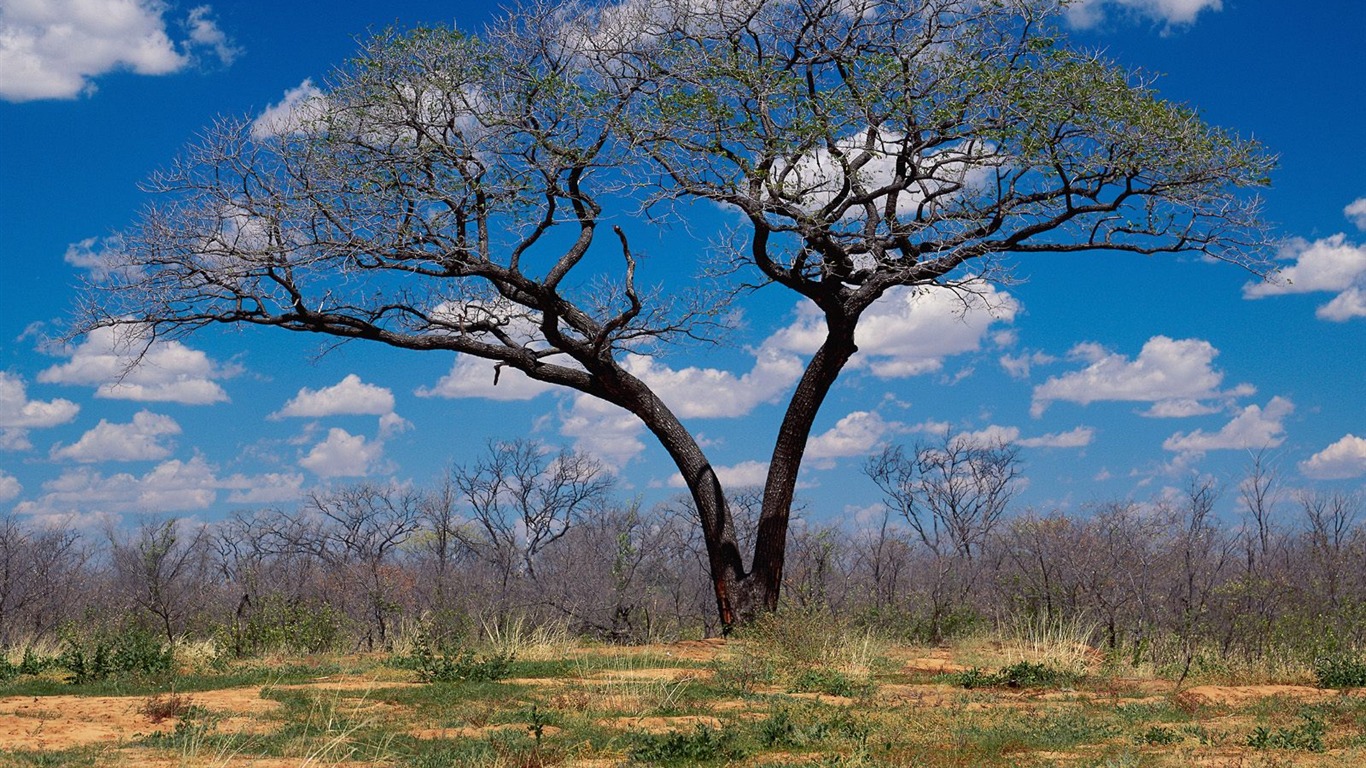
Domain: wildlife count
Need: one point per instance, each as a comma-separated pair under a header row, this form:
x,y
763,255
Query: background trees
x,y
449,192
1162,581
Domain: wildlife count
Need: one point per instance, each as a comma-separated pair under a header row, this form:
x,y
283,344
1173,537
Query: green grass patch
x,y
1023,674
702,745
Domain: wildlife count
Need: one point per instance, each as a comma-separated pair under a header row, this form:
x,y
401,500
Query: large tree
x,y
449,191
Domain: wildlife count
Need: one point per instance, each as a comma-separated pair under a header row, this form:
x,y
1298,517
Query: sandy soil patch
x,y
1239,695
661,724
145,758
932,665
661,674
347,683
824,698
920,695
61,722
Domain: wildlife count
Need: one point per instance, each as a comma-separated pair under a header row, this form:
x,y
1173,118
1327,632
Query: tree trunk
x,y
730,582
770,546
742,595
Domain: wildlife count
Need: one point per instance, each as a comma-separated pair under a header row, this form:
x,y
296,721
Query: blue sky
x,y
1119,376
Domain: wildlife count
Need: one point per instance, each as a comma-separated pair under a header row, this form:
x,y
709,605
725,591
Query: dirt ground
x,y
111,726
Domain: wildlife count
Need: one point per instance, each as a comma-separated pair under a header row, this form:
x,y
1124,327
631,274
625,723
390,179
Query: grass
x,y
754,703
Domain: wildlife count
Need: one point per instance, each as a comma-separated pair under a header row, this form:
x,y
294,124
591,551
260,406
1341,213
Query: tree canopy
x,y
450,191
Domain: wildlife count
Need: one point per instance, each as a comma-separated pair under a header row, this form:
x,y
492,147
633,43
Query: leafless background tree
x,y
1187,578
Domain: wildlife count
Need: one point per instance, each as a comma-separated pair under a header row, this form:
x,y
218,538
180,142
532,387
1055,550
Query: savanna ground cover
x,y
798,689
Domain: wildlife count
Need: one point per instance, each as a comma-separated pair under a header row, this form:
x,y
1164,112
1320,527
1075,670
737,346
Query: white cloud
x,y
300,107
9,487
103,258
1344,459
694,392
169,371
1019,366
1356,211
139,440
1181,408
1332,264
350,396
271,488
1347,305
1075,438
205,32
818,178
172,486
910,331
391,424
857,434
992,434
342,454
1089,13
1166,371
474,377
85,496
1254,427
742,475
52,49
603,430
18,414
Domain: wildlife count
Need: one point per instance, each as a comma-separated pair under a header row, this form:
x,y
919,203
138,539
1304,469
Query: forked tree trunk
x,y
742,595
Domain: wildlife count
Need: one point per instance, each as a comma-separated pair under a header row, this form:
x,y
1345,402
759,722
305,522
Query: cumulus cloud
x,y
695,392
54,48
1329,265
603,430
910,331
350,396
1171,373
744,474
475,377
102,258
1254,427
857,434
1344,459
1356,211
172,486
9,487
818,178
205,32
1019,366
84,495
1075,438
169,371
1088,13
139,440
18,414
300,107
342,454
270,488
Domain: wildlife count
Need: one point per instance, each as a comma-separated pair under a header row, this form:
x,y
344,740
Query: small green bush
x,y
445,665
704,744
1023,674
1340,671
282,625
1307,736
828,681
1159,736
131,653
